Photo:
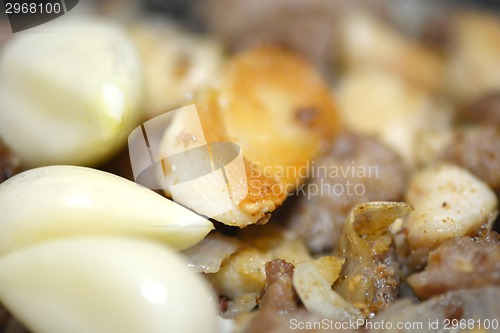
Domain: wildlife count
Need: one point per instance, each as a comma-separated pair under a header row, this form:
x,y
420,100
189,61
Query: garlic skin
x,y
71,93
104,285
68,201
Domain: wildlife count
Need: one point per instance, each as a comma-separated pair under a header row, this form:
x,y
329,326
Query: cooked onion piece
x,y
207,256
318,297
282,96
271,90
449,202
370,276
379,103
103,285
70,96
68,201
176,63
244,303
367,42
472,70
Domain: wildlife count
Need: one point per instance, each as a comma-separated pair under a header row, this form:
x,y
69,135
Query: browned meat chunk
x,y
478,150
9,163
357,169
458,263
279,294
486,110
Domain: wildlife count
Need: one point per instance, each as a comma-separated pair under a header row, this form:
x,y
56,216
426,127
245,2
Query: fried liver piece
x,y
279,294
9,163
458,263
356,169
478,150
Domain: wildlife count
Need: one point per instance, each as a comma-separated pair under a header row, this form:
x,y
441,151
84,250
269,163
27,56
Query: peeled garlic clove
x,y
62,201
103,285
449,202
70,95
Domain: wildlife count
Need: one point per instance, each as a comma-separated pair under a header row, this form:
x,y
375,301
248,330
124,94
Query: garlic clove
x,y
282,95
62,201
103,285
70,95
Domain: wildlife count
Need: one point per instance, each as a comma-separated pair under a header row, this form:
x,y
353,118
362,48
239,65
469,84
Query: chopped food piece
x,y
241,305
279,294
309,27
458,263
485,110
300,321
242,273
370,277
449,202
477,149
329,267
266,88
356,169
74,94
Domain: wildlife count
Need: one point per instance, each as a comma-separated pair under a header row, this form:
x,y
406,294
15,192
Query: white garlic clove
x,y
62,201
71,94
103,285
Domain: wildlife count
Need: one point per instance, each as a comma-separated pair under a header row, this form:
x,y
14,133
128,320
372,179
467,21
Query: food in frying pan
x,y
369,183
